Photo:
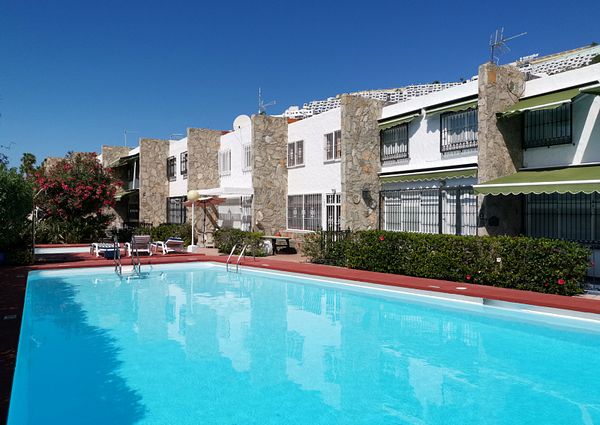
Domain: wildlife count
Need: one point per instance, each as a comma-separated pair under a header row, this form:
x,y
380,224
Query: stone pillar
x,y
269,173
111,153
203,168
154,185
499,146
360,162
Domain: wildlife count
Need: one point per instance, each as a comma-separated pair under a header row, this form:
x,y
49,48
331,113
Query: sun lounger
x,y
98,248
139,243
170,245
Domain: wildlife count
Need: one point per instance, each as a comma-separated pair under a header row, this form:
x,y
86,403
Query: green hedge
x,y
226,239
541,265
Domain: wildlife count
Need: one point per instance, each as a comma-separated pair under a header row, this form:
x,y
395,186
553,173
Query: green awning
x,y
124,194
545,101
124,160
595,89
556,180
397,121
455,107
428,176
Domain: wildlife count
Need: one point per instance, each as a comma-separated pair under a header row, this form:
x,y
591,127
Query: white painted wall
x,y
316,175
424,132
178,187
585,148
234,140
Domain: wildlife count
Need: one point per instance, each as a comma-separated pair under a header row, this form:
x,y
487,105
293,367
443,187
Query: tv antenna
x,y
126,132
262,106
498,44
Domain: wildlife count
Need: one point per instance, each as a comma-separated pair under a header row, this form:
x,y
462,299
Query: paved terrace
x,y
13,282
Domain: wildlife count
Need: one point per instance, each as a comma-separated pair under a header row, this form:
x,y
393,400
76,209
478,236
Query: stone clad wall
x,y
154,185
111,153
203,167
269,173
499,146
360,163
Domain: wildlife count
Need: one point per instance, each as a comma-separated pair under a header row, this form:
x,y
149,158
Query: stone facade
x,y
154,185
203,168
360,163
269,173
111,153
499,146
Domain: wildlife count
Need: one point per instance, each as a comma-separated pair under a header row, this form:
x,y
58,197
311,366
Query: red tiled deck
x,y
13,282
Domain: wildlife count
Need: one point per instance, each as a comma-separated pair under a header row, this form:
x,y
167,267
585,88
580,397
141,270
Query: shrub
x,y
326,247
73,195
541,265
226,239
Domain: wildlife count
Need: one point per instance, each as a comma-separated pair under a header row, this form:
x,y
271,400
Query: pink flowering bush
x,y
73,195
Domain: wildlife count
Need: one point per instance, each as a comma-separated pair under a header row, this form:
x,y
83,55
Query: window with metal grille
x,y
183,164
333,146
295,153
547,127
449,210
171,164
394,143
574,217
225,162
333,209
246,158
304,212
458,130
176,211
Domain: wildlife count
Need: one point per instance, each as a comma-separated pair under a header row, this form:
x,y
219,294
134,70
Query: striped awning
x,y
557,180
454,107
431,175
393,122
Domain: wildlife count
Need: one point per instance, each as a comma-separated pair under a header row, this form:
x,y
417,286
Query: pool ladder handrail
x,y
117,257
135,261
237,264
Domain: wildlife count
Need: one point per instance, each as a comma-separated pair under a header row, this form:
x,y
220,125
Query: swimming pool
x,y
191,344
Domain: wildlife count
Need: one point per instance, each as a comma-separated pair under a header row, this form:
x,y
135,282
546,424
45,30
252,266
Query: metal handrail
x,y
229,258
237,265
117,257
135,261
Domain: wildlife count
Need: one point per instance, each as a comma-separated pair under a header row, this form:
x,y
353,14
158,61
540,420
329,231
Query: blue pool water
x,y
201,346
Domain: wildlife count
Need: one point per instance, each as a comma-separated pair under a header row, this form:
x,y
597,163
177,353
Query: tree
x,y
27,167
74,195
16,199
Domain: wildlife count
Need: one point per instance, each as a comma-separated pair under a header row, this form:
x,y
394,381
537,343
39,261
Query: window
x,y
183,163
304,212
176,210
225,162
448,210
574,217
333,208
547,127
394,143
458,131
171,163
333,146
246,158
295,153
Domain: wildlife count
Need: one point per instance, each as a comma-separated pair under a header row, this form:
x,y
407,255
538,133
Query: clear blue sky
x,y
74,74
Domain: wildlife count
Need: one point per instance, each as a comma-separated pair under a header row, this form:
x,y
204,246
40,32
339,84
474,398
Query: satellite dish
x,y
241,121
